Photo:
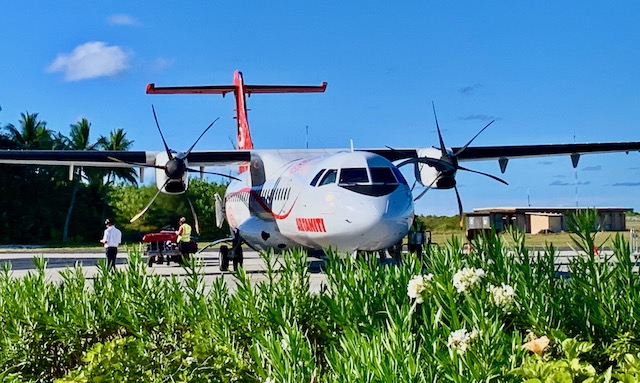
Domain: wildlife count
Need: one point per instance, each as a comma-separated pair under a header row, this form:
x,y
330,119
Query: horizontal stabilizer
x,y
224,89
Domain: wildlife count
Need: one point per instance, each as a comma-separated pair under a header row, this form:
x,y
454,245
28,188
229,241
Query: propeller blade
x,y
213,173
443,150
484,174
420,195
166,147
460,212
195,217
202,134
233,144
149,204
426,189
462,149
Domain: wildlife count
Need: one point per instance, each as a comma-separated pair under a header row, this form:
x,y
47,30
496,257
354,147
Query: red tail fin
x,y
244,134
240,90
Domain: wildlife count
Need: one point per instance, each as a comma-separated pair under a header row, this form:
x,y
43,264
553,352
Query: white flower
x,y
460,340
189,360
269,380
417,286
502,296
285,343
467,278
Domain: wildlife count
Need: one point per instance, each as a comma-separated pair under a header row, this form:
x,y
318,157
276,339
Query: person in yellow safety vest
x,y
416,237
184,237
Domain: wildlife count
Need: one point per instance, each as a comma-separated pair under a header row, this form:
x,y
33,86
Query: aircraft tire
x,y
238,257
224,258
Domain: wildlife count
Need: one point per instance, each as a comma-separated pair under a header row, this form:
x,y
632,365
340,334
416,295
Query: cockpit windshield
x,y
329,177
399,176
374,181
315,179
382,176
352,176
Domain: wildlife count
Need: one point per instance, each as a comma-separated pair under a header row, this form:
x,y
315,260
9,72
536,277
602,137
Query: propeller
x,y
447,165
195,217
150,202
175,168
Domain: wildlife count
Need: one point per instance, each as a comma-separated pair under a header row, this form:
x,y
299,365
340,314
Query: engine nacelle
x,y
428,175
175,185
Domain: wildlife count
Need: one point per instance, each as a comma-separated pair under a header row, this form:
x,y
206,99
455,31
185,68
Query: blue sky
x,y
546,71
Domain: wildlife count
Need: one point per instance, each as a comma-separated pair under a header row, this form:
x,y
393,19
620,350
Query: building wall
x,y
545,223
612,220
521,218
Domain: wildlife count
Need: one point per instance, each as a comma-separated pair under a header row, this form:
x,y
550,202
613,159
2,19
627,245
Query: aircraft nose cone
x,y
381,225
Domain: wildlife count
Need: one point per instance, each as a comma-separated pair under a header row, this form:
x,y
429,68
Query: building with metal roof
x,y
539,219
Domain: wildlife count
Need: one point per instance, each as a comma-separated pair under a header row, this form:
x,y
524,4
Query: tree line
x,y
41,204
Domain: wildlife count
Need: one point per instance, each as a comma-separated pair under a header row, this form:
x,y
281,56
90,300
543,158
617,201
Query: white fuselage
x,y
345,201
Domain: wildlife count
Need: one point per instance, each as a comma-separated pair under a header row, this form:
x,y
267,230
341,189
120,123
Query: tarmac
x,y
22,263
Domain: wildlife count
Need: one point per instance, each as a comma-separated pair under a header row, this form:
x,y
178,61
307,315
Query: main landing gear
x,y
234,254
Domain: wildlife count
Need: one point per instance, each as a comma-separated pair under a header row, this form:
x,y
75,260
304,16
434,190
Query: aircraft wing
x,y
111,159
93,158
506,152
100,158
521,151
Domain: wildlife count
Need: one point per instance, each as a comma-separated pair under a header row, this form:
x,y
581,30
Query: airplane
x,y
349,200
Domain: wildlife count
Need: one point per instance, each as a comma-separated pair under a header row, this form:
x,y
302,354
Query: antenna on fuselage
x,y
351,141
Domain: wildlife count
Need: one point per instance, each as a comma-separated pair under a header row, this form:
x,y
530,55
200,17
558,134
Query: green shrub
x,y
498,314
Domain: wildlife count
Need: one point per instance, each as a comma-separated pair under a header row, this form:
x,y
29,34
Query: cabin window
x,y
315,179
353,176
399,176
382,175
329,177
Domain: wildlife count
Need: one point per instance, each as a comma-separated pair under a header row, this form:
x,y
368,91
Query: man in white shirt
x,y
111,239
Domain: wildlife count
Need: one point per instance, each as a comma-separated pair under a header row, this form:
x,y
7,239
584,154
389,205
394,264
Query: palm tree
x,y
78,140
117,141
33,134
20,186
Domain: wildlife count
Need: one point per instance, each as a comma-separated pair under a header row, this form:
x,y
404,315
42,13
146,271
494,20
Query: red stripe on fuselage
x,y
256,196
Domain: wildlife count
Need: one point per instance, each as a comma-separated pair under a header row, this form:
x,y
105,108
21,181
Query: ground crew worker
x,y
184,237
111,239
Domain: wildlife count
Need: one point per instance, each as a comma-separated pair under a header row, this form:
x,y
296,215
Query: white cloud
x,y
162,63
121,19
91,60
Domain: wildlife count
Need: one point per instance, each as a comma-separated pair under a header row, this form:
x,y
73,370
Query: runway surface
x,y
22,263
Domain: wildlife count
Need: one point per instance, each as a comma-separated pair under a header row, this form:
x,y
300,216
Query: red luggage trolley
x,y
162,246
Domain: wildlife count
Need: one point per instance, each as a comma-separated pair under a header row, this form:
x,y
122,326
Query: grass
x,y
494,315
